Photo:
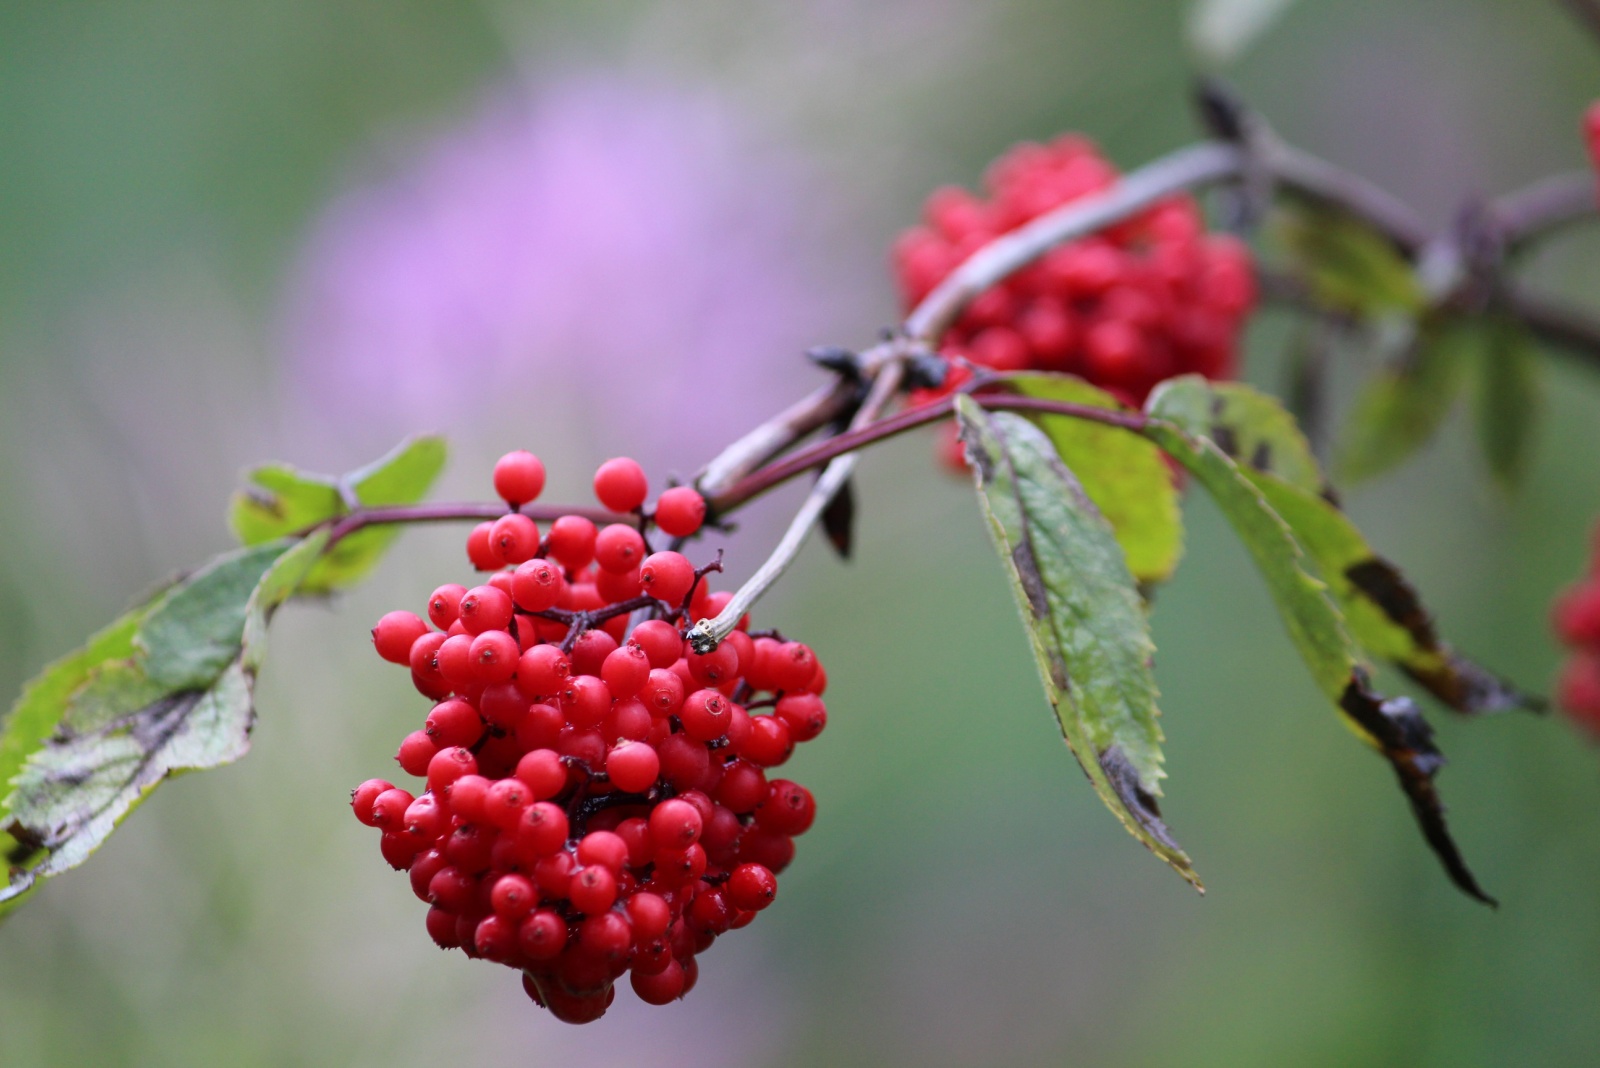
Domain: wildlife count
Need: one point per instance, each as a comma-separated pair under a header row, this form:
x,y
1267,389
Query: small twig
x,y
1543,207
708,633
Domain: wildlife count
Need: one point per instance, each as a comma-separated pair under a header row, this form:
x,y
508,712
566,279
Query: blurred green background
x,y
183,292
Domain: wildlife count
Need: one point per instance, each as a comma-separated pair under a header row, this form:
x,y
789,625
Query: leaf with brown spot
x,y
1317,628
1084,618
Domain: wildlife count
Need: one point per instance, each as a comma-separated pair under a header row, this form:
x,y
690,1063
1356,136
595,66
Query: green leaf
x,y
1084,617
1508,399
1383,610
138,711
1402,406
404,476
1394,726
39,709
193,633
280,501
1249,426
1349,265
1123,474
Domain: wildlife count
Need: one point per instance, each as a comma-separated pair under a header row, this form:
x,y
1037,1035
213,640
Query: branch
x,y
1186,169
347,525
708,633
1550,204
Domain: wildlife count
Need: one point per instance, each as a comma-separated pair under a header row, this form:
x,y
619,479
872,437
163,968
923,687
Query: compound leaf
x,y
1402,406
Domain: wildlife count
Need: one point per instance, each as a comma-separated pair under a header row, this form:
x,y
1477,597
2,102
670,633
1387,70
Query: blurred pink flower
x,y
632,251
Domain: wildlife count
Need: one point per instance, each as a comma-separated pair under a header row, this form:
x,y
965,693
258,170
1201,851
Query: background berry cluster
x,y
1154,297
1576,617
596,796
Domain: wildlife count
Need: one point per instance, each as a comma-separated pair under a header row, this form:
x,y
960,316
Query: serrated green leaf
x,y
1349,265
1085,620
279,500
404,476
1394,726
192,635
119,729
1402,407
1249,426
1508,398
1123,474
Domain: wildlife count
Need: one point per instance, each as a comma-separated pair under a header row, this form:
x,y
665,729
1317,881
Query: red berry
x,y
803,713
619,548
448,765
571,542
543,935
1578,691
719,666
543,773
633,766
514,538
467,797
793,666
444,605
542,828
705,715
663,692
743,787
454,723
424,819
590,651
1577,615
768,743
415,752
505,801
494,657
537,585
620,485
480,553
680,511
362,797
625,671
660,641
585,701
603,849
518,477
395,634
495,939
389,809
752,887
606,936
675,824
543,671
683,763
592,890
788,809
662,988
485,608
667,576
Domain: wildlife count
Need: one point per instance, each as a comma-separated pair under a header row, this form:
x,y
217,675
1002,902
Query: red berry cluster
x,y
1576,617
596,799
1591,134
1153,297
